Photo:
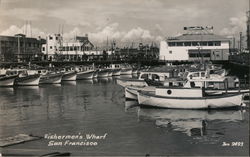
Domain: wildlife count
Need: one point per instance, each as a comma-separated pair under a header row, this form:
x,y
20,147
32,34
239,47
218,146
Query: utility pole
x,y
240,41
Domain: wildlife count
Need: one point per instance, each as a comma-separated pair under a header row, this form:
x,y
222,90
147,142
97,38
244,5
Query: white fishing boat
x,y
69,74
131,92
84,73
188,98
126,71
95,75
116,72
51,78
47,77
25,79
7,79
144,75
110,72
102,73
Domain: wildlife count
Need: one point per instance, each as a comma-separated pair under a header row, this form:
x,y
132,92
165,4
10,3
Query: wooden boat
x,y
188,98
156,76
131,92
7,79
95,75
47,77
69,74
126,71
110,72
103,73
51,78
84,72
26,79
116,72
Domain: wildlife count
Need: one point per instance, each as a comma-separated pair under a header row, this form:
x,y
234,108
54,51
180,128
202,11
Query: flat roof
x,y
198,37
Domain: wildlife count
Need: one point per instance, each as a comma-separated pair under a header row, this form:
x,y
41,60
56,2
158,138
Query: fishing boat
x,y
116,69
188,98
110,72
95,75
84,73
26,79
131,92
47,77
144,75
102,73
126,71
7,79
69,74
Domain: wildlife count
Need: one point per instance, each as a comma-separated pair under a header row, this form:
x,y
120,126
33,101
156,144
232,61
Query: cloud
x,y
236,25
13,29
110,31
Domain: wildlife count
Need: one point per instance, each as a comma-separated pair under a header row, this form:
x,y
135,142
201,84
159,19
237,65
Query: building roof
x,y
198,37
15,38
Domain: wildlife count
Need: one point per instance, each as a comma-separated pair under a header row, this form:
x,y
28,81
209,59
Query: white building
x,y
74,48
195,44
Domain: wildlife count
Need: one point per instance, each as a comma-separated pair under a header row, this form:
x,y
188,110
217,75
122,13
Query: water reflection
x,y
190,122
130,104
70,83
126,76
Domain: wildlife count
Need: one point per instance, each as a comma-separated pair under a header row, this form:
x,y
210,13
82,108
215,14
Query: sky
x,y
121,20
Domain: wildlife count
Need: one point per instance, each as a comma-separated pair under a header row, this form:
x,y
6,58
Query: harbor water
x,y
97,110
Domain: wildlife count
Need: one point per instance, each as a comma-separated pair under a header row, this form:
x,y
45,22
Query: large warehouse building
x,y
20,48
196,43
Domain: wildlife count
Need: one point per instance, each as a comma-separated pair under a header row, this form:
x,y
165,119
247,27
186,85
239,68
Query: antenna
x,y
30,30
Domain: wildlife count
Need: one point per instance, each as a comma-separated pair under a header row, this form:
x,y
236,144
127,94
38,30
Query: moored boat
x,y
126,71
25,79
69,74
82,75
51,78
103,73
7,79
116,72
188,98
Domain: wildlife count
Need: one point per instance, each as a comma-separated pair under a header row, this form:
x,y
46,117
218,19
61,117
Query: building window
x,y
43,48
56,38
203,43
179,43
50,38
210,43
187,43
170,52
171,43
71,48
194,44
217,43
51,47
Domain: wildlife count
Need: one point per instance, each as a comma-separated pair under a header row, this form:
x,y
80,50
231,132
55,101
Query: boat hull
x,y
69,76
85,75
95,75
51,79
30,80
7,81
103,73
126,71
131,82
116,72
153,100
132,92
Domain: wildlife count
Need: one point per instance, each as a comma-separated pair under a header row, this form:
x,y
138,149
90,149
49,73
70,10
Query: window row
x,y
202,43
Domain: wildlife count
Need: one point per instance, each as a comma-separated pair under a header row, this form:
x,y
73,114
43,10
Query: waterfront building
x,y
19,48
73,49
196,44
